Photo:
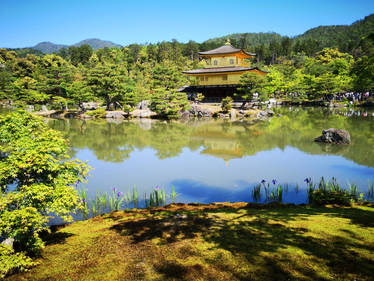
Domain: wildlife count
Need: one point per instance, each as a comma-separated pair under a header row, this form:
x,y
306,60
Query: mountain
x,y
97,43
344,37
49,48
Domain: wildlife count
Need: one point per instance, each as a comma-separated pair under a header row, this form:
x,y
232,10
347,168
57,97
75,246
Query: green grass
x,y
215,242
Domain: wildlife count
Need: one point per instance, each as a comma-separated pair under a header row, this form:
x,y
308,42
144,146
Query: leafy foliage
x,y
168,103
226,104
251,83
36,180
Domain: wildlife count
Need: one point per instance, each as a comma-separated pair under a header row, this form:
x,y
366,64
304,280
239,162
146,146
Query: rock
x,y
46,113
233,113
8,242
200,111
115,114
185,115
334,136
90,105
223,116
142,113
143,104
44,108
30,108
273,101
265,113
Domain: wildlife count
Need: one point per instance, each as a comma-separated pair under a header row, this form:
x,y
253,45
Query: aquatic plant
x,y
331,192
173,193
256,192
276,193
370,193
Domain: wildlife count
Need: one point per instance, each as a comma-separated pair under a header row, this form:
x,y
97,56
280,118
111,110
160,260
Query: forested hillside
x,y
344,37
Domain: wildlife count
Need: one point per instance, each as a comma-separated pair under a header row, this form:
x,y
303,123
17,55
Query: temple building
x,y
220,77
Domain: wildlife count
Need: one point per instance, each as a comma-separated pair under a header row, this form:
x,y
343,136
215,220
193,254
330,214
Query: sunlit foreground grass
x,y
213,242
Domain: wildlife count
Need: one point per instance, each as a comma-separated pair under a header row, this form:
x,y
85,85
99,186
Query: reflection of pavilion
x,y
217,143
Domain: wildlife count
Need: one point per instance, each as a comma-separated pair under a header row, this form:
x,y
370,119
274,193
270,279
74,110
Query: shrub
x,y
36,179
200,97
97,113
168,103
226,104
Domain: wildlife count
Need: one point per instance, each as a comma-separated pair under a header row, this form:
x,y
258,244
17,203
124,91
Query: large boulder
x,y
90,105
200,111
143,104
334,136
115,114
142,113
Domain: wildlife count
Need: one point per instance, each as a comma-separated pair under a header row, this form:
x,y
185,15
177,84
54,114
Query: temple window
x,y
231,61
215,62
224,77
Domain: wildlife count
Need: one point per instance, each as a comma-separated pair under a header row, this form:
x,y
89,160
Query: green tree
x,y
251,83
168,103
363,72
108,81
36,180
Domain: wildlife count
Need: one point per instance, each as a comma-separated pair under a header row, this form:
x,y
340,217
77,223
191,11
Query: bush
x,y
168,103
37,179
10,261
226,104
200,97
97,113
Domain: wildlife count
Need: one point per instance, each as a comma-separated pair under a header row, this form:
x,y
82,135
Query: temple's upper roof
x,y
221,70
225,49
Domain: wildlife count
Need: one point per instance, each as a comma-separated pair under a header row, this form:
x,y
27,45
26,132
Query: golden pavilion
x,y
220,77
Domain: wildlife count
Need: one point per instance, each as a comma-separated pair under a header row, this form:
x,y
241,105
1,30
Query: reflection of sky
x,y
204,178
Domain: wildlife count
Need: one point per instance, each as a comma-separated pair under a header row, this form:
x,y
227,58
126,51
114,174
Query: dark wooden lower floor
x,y
211,93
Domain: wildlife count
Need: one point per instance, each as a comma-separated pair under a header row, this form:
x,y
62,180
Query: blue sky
x,y
28,22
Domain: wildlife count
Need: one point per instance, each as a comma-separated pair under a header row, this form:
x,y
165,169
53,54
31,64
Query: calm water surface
x,y
216,160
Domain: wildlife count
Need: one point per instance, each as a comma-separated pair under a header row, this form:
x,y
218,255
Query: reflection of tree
x,y
227,140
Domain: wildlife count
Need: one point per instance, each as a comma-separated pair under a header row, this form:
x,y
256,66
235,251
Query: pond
x,y
219,160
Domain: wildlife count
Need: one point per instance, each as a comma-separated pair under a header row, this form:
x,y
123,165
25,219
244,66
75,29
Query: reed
x,y
370,193
256,193
173,193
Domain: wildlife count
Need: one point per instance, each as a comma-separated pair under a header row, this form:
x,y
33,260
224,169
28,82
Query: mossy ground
x,y
213,242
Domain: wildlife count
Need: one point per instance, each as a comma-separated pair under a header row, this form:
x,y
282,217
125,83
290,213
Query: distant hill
x,y
97,43
49,48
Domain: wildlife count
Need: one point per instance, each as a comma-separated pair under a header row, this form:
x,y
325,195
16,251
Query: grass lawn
x,y
213,242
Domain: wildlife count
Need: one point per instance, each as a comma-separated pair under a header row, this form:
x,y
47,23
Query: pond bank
x,y
217,241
